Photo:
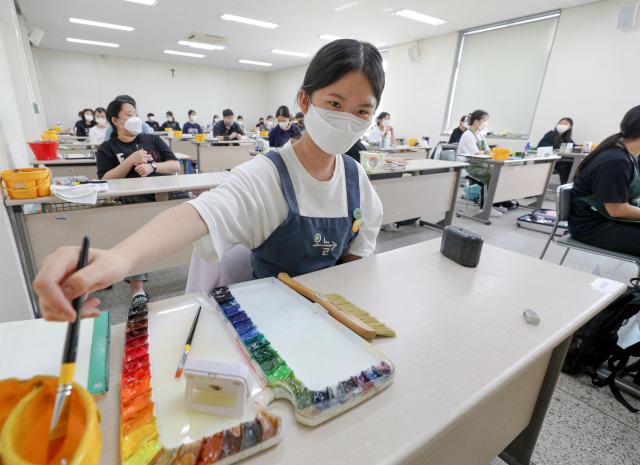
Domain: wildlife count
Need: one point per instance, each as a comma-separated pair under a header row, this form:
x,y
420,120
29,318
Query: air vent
x,y
202,38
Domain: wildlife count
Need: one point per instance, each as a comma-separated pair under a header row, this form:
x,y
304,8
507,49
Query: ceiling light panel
x,y
143,2
294,54
348,5
253,22
259,63
201,46
96,23
194,55
420,17
92,42
329,37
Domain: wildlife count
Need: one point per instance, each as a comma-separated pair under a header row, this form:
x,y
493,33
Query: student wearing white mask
x,y
151,121
268,124
131,154
84,126
146,129
456,134
560,135
97,133
191,127
473,141
284,130
284,206
240,121
228,128
383,132
171,123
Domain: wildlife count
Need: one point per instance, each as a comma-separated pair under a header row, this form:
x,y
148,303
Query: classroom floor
x,y
584,425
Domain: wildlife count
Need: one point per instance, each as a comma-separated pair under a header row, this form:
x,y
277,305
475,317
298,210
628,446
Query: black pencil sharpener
x,y
462,246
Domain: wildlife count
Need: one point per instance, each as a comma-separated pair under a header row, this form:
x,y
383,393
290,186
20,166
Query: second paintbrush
x,y
187,346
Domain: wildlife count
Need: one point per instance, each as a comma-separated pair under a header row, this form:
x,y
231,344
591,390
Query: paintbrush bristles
x,y
380,328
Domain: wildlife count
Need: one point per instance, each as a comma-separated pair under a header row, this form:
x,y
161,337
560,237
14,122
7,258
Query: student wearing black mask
x,y
606,192
153,124
561,134
457,132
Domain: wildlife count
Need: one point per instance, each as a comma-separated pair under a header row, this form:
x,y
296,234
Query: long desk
x,y
514,179
76,147
221,155
473,379
87,166
409,152
182,145
40,235
576,159
422,188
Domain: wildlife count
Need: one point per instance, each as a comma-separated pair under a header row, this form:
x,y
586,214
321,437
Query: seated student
x,y
84,126
228,129
97,133
560,135
191,127
457,132
274,205
260,124
240,121
383,133
145,127
80,113
604,199
170,123
268,124
474,142
284,130
298,120
153,124
131,154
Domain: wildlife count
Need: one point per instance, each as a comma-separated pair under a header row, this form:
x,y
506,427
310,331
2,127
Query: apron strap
x,y
287,185
353,184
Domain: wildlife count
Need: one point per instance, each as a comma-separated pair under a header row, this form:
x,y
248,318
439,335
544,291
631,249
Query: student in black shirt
x,y
131,154
260,123
560,135
170,123
457,132
606,182
154,125
228,129
84,126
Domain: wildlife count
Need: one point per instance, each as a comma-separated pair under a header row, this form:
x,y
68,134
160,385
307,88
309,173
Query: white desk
x,y
422,188
576,159
75,146
471,377
222,155
40,235
182,145
408,152
514,179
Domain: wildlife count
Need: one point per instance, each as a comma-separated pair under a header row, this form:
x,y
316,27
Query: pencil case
x,y
462,246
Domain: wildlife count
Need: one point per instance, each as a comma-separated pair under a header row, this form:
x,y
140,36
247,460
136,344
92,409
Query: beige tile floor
x,y
585,425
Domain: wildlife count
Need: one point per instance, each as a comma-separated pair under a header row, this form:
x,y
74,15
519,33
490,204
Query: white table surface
x,y
148,185
460,338
421,165
508,162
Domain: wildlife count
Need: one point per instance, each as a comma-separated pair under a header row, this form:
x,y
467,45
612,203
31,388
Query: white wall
x,y
14,298
72,81
283,87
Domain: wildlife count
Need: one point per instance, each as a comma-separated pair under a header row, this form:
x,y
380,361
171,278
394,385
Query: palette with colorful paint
x,y
300,351
155,426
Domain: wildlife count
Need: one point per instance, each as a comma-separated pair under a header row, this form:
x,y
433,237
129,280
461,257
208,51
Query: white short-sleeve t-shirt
x,y
250,204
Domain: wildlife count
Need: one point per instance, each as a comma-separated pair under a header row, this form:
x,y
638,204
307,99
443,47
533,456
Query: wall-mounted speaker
x,y
627,16
413,53
36,36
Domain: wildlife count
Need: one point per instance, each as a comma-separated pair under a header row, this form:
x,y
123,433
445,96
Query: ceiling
x,y
160,27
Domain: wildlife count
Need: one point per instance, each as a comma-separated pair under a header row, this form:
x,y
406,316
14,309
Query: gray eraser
x,y
531,317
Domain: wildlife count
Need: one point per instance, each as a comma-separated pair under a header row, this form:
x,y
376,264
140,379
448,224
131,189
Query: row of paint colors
x,y
140,442
280,375
222,445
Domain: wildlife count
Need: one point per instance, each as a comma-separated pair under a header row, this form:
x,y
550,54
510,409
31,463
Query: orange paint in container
x,y
136,403
29,420
136,420
135,388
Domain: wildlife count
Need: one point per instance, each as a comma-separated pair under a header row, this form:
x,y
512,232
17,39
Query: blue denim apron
x,y
302,244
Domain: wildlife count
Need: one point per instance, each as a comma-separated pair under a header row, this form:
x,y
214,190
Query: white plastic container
x,y
371,160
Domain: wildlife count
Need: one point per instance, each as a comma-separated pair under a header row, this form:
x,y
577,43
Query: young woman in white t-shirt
x,y
302,208
383,132
96,133
473,142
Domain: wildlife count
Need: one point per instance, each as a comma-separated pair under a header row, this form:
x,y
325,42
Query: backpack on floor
x,y
596,342
473,193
